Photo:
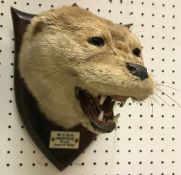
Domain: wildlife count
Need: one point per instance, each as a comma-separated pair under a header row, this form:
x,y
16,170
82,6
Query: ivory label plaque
x,y
64,140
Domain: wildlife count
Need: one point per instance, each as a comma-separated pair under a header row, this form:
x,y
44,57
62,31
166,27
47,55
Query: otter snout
x,y
137,70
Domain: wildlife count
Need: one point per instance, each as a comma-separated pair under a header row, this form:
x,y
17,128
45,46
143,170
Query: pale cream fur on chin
x,y
55,58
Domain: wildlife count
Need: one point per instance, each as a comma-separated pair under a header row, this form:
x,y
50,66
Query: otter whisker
x,y
157,84
150,103
151,107
169,97
152,98
162,99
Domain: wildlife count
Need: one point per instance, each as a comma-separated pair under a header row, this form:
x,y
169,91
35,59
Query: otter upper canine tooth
x,y
101,115
116,117
102,99
122,103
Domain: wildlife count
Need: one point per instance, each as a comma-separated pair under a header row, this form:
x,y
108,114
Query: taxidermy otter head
x,y
77,65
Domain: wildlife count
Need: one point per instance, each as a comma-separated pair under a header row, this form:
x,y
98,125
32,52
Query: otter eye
x,y
97,41
136,52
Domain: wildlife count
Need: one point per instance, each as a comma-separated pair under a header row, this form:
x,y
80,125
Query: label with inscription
x,y
64,140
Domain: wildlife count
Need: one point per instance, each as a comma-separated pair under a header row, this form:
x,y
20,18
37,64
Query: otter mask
x,y
71,69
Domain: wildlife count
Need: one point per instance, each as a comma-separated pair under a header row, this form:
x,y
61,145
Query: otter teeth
x,y
122,103
117,116
115,119
101,116
102,99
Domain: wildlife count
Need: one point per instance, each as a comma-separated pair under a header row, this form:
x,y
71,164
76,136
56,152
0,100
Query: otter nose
x,y
137,70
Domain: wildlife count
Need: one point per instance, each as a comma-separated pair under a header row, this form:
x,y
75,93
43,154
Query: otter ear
x,y
75,5
39,24
128,25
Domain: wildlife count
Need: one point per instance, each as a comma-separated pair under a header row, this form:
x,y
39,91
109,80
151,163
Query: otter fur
x,y
57,55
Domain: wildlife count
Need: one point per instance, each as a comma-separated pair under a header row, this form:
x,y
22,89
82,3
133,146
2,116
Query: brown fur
x,y
56,57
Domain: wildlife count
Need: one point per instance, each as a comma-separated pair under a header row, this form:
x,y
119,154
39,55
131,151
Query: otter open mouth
x,y
99,109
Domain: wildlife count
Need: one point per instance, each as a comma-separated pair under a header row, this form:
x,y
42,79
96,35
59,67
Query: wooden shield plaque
x,y
41,130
